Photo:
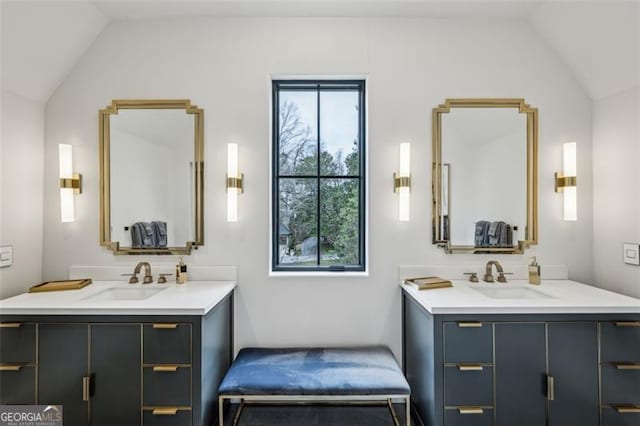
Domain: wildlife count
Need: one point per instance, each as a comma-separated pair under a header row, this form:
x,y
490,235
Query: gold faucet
x,y
488,276
148,278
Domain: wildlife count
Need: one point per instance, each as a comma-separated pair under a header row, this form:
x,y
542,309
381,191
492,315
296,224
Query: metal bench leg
x,y
220,411
392,410
407,407
236,419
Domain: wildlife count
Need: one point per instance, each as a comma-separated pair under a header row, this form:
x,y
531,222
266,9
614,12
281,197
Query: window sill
x,y
319,274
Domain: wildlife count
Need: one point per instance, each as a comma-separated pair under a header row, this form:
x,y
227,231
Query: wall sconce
x,y
70,183
567,180
402,182
234,182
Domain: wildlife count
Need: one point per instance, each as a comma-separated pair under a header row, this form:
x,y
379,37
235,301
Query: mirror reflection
x,y
484,176
152,178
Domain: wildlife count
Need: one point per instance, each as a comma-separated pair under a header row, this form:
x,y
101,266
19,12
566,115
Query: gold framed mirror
x,y
485,175
151,176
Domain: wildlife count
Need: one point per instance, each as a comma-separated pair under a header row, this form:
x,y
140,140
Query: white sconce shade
x,y
570,168
70,183
402,182
567,181
65,152
234,182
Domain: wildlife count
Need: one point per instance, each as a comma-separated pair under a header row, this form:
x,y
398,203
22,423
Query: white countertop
x,y
192,298
566,297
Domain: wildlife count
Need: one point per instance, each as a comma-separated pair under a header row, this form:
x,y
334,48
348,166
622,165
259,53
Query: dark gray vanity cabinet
x,y
82,362
18,357
63,366
507,369
118,369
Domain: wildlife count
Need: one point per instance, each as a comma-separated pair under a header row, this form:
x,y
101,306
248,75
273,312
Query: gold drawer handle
x,y
627,409
165,368
169,411
627,366
628,324
469,324
86,385
10,325
165,326
470,410
12,367
470,367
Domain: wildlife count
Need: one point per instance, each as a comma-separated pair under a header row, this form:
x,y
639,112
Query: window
x,y
318,176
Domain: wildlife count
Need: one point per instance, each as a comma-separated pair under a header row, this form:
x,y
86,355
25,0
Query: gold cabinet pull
x,y
469,324
167,411
10,325
11,367
165,326
165,368
627,409
551,391
470,367
86,383
627,366
627,323
470,410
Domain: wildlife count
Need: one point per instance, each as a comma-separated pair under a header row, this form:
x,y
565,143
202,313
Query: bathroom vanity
x,y
119,354
562,353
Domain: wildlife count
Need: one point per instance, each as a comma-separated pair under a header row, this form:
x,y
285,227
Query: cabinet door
x,y
62,364
116,370
520,365
573,364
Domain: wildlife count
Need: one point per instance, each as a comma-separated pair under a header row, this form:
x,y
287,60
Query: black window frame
x,y
318,86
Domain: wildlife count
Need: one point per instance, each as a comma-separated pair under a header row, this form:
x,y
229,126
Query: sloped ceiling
x,y
43,40
600,42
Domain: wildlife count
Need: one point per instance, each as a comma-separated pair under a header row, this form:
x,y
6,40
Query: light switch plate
x,y
6,256
631,253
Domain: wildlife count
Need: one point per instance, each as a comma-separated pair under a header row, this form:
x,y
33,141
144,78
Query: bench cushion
x,y
315,371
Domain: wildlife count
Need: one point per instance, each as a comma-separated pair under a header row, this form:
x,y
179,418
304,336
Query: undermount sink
x,y
134,293
512,293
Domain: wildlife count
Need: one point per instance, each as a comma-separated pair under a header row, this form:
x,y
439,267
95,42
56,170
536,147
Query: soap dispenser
x,y
534,271
181,272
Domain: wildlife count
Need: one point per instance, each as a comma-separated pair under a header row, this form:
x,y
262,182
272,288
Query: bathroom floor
x,y
316,415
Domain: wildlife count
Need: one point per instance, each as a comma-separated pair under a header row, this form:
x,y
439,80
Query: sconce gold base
x,y
564,181
236,183
74,183
401,182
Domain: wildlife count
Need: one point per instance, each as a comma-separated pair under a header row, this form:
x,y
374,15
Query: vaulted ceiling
x,y
41,41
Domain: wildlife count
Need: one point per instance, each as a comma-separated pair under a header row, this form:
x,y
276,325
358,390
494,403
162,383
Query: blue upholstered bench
x,y
315,375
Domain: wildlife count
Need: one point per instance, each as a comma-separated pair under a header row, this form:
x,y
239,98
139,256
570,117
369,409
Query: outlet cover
x,y
6,256
631,253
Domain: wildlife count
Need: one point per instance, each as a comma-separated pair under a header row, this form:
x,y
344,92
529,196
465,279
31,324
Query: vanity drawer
x,y
620,416
17,385
620,341
167,343
165,386
468,385
17,343
620,386
468,342
163,416
468,416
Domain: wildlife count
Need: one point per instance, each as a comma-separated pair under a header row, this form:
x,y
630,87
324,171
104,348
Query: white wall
x,y
22,158
616,190
224,66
